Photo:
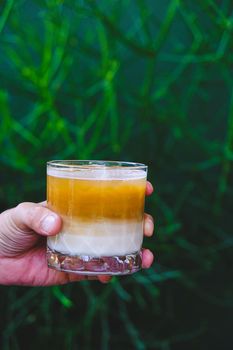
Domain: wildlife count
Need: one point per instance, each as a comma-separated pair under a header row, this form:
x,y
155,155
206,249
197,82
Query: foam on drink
x,y
97,172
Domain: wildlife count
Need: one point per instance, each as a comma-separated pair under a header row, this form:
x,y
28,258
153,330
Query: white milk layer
x,y
104,238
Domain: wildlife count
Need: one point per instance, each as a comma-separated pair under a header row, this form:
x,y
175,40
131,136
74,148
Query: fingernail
x,y
149,227
47,223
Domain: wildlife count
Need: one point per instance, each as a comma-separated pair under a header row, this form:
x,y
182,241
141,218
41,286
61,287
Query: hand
x,y
23,232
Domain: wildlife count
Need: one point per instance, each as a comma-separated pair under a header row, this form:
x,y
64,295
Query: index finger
x,y
149,188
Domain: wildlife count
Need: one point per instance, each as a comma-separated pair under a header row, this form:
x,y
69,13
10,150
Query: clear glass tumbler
x,y
102,205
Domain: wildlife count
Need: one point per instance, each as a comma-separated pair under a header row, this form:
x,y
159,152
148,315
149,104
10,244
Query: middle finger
x,y
148,225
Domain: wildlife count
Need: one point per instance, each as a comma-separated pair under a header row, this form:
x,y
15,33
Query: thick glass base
x,y
89,265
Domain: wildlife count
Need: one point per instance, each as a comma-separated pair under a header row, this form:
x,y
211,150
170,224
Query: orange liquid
x,y
97,199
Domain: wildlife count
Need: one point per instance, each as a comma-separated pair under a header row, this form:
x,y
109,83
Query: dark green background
x,y
140,80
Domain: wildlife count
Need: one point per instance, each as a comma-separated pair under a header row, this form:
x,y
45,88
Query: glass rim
x,y
100,164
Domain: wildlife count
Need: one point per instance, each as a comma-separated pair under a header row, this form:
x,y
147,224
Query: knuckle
x,y
31,212
23,206
35,217
37,212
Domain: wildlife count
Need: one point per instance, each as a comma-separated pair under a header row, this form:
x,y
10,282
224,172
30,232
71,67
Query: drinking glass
x,y
102,207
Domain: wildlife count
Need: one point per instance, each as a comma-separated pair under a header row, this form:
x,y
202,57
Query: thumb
x,y
32,216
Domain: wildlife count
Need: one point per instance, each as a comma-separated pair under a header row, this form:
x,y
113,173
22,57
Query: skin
x,y
23,232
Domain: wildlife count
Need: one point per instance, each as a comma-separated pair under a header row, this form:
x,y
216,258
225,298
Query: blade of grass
x,y
5,14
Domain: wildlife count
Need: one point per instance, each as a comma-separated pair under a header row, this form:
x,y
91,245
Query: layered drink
x,y
102,206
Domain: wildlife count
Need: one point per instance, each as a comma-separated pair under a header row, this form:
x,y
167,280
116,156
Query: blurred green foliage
x,y
141,80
